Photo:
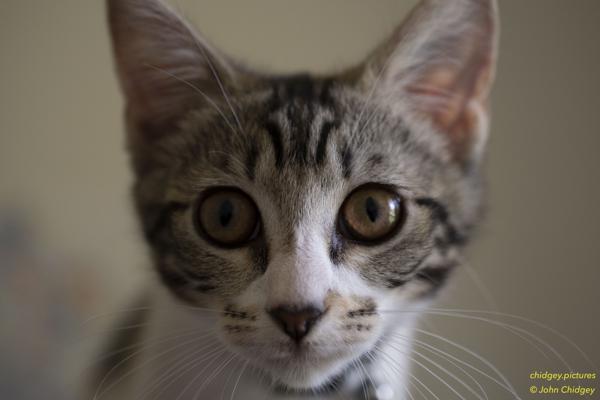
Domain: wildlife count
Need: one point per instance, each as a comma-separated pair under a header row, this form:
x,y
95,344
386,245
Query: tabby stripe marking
x,y
346,157
165,214
440,213
251,160
322,143
275,136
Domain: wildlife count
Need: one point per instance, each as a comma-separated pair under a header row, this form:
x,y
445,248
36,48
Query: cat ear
x,y
164,66
440,62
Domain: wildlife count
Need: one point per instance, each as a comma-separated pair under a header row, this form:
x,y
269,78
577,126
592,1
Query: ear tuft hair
x,y
164,66
441,62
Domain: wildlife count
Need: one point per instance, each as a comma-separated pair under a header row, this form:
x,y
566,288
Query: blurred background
x,y
70,249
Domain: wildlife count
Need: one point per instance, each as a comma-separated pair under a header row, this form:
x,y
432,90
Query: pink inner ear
x,y
165,67
158,95
453,99
442,66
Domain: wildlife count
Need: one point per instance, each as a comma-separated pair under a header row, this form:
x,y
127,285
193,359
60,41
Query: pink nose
x,y
296,323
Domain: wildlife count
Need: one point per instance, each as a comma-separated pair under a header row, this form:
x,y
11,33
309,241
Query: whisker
x,y
367,377
424,386
440,367
214,374
362,380
443,381
179,367
366,123
510,329
212,357
485,361
517,331
219,83
86,369
220,352
531,321
242,166
417,388
128,310
117,328
374,86
238,380
182,367
449,357
486,293
455,377
371,356
337,387
144,345
114,329
111,313
197,89
392,361
98,393
227,381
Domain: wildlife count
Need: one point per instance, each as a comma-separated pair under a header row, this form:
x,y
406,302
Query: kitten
x,y
297,223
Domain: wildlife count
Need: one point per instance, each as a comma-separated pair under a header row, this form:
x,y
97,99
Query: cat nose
x,y
296,322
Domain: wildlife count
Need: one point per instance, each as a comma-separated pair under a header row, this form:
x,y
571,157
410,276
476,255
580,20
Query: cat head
x,y
303,207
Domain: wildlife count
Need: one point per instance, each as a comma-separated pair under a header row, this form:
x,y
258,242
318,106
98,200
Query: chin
x,y
310,370
307,377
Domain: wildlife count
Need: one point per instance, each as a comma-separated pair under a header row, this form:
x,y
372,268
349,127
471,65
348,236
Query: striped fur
x,y
306,140
297,145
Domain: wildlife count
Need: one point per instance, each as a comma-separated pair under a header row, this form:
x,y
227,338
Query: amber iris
x,y
371,214
227,217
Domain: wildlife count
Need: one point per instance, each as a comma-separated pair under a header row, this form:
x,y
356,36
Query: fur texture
x,y
412,118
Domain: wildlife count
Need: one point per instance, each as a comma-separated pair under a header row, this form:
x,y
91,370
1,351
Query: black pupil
x,y
225,213
372,209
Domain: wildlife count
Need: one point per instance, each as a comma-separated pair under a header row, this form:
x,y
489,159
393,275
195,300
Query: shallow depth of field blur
x,y
71,254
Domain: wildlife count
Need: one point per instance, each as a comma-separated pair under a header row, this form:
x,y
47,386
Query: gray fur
x,y
209,154
298,145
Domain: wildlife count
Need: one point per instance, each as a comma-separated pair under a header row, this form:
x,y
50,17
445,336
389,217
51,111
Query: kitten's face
x,y
305,209
298,163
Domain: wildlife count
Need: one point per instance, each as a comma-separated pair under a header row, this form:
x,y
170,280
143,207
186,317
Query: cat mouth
x,y
307,368
304,353
315,375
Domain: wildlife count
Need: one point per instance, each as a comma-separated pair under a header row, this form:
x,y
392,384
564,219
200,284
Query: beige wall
x,y
63,165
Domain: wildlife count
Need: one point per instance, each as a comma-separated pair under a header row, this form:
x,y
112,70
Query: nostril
x,y
296,322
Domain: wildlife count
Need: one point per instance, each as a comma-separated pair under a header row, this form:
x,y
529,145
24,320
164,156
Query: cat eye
x,y
371,214
227,217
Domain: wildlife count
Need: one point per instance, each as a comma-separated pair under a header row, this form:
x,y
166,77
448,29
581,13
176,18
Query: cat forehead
x,y
302,125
